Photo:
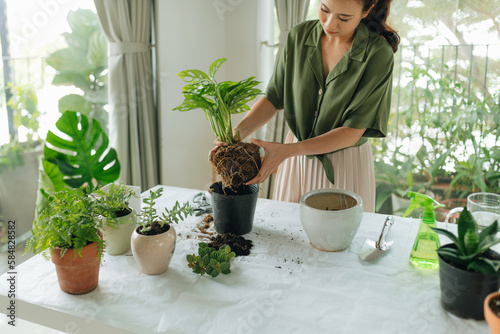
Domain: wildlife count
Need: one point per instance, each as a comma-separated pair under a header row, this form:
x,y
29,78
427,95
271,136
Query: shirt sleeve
x,y
276,86
371,104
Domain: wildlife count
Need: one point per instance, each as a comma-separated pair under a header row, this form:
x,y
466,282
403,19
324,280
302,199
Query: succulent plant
x,y
471,245
150,215
211,261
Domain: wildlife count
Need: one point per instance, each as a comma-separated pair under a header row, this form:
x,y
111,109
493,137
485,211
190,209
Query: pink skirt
x,y
354,171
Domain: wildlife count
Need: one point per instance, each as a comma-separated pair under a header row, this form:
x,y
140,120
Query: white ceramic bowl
x,y
331,218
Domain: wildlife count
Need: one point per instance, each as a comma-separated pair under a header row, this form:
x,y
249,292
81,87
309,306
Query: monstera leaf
x,y
82,156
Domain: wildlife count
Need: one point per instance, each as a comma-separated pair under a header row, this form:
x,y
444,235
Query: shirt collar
x,y
359,44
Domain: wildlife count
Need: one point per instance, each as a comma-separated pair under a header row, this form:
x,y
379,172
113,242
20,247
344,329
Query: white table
x,y
283,286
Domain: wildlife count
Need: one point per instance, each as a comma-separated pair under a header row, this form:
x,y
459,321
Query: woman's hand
x,y
274,155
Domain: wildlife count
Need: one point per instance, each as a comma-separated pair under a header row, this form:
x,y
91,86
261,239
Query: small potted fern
x,y
236,163
119,218
153,241
468,268
68,231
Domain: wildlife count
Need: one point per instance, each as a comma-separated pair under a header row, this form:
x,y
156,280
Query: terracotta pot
x,y
118,239
153,252
492,318
80,274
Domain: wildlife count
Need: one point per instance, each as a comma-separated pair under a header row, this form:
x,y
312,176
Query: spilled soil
x,y
239,245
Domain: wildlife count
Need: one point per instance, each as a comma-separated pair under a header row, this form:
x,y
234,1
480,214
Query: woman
x,y
333,80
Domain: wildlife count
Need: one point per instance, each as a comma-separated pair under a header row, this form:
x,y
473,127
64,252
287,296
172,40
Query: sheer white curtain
x,y
290,13
133,114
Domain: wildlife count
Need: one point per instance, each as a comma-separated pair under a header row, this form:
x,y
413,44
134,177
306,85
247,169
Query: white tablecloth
x,y
283,286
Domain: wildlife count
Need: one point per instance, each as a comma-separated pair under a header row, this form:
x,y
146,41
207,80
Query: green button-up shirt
x,y
355,94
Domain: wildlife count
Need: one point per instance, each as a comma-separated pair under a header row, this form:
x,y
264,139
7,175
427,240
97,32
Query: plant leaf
x,y
484,266
487,237
86,155
452,255
215,66
192,76
467,227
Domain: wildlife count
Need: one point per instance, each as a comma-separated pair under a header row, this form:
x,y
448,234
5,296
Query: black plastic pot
x,y
463,292
233,210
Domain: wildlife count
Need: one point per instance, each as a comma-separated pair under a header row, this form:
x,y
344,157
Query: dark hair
x,y
376,21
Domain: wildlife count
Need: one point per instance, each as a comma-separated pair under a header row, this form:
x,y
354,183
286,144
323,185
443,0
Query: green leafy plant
x,y
471,245
217,99
24,105
84,158
114,202
69,221
211,261
83,64
150,216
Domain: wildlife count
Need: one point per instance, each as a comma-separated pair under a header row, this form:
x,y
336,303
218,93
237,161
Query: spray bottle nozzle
x,y
422,201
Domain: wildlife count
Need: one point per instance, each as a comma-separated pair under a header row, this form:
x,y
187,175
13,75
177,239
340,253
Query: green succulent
x,y
471,245
211,261
150,214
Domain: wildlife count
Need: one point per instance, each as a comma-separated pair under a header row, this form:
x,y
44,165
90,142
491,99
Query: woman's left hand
x,y
274,155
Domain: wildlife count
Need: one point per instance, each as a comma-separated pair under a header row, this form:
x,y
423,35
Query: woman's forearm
x,y
261,112
333,140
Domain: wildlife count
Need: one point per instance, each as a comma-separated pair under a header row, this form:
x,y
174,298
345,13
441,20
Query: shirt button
x,y
320,91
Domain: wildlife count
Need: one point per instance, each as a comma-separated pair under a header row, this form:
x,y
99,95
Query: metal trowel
x,y
371,250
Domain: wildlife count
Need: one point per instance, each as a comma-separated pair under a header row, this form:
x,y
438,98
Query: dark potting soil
x,y
155,229
239,245
495,306
122,213
242,190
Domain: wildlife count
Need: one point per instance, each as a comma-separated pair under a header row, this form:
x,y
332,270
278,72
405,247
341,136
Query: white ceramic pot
x,y
118,239
153,252
331,218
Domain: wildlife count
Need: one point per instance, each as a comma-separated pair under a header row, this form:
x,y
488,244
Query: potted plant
x,y
468,268
119,218
68,231
153,241
239,161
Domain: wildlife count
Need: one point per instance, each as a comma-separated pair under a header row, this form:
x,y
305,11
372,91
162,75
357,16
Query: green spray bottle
x,y
423,254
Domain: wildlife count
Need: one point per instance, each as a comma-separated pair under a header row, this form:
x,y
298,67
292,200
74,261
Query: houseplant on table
x,y
68,231
153,241
236,163
119,218
468,268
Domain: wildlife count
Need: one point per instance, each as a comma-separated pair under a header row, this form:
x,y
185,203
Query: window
x,y
35,30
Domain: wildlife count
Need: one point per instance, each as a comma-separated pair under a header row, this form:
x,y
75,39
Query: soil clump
x,y
236,163
239,245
